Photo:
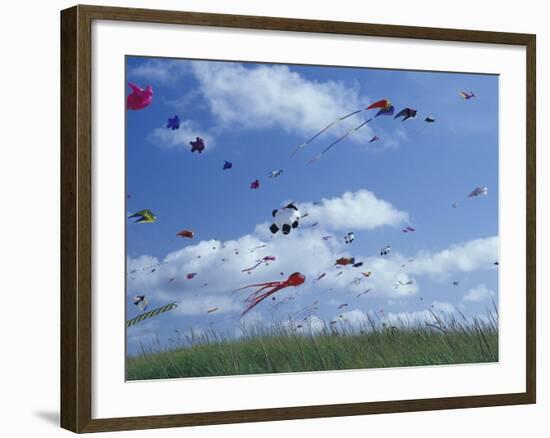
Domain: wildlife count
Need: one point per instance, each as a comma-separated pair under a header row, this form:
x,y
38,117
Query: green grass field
x,y
335,347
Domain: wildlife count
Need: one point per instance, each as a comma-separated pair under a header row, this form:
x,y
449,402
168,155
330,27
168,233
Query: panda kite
x,y
285,219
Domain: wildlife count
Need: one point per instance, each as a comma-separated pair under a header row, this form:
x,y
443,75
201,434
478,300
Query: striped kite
x,y
150,314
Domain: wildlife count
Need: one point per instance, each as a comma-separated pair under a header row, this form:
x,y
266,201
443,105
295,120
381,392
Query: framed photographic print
x,y
342,214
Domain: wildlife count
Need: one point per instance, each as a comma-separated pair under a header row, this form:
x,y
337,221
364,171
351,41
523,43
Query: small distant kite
x,y
406,113
145,216
186,233
496,263
258,247
255,184
173,123
191,275
139,98
339,273
321,276
295,279
455,283
275,173
265,260
401,283
363,293
350,237
197,145
467,96
214,309
344,261
151,314
367,274
454,205
326,237
227,165
408,229
373,139
341,306
141,302
285,219
429,120
478,191
357,265
385,251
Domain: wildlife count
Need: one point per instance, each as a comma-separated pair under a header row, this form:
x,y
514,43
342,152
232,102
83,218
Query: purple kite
x,y
373,139
406,113
173,123
255,184
197,145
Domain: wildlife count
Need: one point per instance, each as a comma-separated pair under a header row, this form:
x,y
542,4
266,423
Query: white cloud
x,y
462,257
164,71
478,294
360,210
181,137
274,96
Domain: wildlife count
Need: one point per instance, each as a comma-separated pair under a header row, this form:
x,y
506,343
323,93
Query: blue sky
x,y
255,115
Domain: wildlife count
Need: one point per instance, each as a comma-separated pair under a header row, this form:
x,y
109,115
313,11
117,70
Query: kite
x,y
255,184
356,281
339,273
314,224
455,283
385,251
212,310
385,111
145,216
350,237
197,145
326,237
139,98
454,205
264,260
341,306
384,103
191,275
363,293
141,301
275,173
258,247
496,263
407,113
366,274
227,165
408,229
344,261
151,314
357,265
173,123
373,139
400,283
321,276
467,96
429,120
295,279
478,191
186,233
285,219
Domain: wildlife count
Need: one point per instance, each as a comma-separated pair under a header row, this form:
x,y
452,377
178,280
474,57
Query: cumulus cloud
x,y
164,71
479,293
180,138
462,257
360,210
275,96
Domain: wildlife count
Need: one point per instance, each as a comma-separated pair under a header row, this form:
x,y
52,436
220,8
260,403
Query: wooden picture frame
x,y
76,222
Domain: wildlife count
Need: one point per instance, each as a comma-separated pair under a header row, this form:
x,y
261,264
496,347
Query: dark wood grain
x,y
76,222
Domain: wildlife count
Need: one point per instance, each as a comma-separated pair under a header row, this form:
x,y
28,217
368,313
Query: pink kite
x,y
139,98
255,184
191,275
295,279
